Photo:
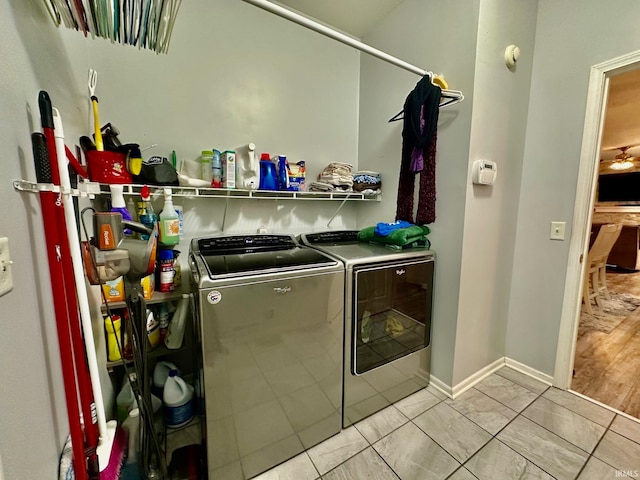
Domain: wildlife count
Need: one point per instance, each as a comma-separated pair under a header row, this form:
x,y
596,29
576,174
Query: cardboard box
x,y
148,284
114,290
228,162
297,173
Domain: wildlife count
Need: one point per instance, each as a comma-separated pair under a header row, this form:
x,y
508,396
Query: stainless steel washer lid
x,y
344,245
241,255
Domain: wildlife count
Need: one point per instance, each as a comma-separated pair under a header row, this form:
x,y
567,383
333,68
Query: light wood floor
x,y
607,365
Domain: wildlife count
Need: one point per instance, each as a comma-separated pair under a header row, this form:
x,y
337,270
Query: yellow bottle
x,y
113,334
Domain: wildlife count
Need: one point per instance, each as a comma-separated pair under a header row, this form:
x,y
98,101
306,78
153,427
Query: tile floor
x,y
508,426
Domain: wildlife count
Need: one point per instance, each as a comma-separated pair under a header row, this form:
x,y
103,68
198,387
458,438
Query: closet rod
x,y
330,32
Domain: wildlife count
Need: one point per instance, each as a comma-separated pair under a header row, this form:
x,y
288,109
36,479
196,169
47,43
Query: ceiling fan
x,y
622,161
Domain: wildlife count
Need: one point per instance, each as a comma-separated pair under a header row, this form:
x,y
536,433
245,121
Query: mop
x,y
110,444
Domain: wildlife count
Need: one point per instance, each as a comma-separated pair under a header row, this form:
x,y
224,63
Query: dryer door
x,y
392,312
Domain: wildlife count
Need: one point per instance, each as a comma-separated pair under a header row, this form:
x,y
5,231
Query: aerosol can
x,y
247,167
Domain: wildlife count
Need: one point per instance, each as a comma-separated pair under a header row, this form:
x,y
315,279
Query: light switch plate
x,y
6,279
557,230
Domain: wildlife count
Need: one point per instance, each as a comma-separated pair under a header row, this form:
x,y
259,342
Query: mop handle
x,y
78,272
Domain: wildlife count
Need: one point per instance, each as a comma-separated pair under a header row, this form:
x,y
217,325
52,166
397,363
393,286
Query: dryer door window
x,y
392,312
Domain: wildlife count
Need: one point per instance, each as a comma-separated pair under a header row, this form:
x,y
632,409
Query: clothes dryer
x,y
388,302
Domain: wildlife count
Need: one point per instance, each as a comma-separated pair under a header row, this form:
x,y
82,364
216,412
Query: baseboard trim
x,y
477,377
531,372
440,386
473,380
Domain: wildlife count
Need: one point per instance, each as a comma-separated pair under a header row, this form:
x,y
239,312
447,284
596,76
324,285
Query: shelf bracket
x,y
224,215
337,211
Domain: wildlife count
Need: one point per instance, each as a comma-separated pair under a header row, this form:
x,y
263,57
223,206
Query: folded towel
x,y
384,229
420,243
366,180
321,187
401,237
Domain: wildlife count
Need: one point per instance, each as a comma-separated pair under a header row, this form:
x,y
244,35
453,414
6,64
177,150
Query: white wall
x,y
500,103
571,36
32,406
437,36
234,74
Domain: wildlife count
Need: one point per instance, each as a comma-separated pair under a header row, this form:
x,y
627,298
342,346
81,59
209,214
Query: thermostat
x,y
484,172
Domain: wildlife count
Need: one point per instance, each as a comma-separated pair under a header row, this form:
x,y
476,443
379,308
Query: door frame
x,y
583,209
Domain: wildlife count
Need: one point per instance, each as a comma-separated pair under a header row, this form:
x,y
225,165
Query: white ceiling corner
x,y
354,17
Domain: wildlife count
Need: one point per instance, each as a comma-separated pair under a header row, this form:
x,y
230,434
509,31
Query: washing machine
x,y
388,303
271,325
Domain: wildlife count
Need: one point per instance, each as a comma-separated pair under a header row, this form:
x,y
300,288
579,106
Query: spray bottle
x,y
118,205
146,214
169,221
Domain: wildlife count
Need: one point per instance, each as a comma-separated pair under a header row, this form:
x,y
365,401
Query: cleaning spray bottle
x,y
169,221
118,205
146,214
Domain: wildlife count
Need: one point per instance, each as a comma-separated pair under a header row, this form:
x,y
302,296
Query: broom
x,y
110,445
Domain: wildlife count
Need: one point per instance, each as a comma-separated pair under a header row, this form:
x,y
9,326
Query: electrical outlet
x,y
557,230
6,280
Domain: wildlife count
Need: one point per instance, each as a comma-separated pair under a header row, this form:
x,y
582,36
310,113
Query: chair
x,y
596,265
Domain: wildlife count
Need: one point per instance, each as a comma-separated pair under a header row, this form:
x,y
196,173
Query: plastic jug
x,y
160,375
132,426
268,175
125,400
178,401
175,334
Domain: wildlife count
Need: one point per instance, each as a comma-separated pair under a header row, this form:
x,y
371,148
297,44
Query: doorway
x,y
597,97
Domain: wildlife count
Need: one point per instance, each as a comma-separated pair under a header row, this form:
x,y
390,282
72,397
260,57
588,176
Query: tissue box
x,y
296,173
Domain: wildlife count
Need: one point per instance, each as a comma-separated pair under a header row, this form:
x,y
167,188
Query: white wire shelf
x,y
91,189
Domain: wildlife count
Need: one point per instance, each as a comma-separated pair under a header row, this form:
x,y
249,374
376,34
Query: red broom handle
x,y
73,320
47,202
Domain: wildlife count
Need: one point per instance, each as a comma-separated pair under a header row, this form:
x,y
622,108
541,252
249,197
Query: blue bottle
x,y
283,173
268,177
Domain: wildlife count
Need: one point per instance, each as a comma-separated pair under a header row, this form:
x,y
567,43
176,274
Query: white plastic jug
x,y
132,426
178,401
125,400
175,334
160,375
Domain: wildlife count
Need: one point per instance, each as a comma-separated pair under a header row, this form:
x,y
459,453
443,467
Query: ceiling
x,y
355,17
358,17
622,117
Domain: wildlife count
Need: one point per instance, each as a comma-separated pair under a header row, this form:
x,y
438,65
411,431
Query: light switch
x,y
557,230
6,280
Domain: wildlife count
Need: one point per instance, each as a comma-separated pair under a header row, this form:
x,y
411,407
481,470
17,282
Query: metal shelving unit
x,y
91,189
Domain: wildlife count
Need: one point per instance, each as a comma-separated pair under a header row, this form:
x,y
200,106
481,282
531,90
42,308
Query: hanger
x,y
451,96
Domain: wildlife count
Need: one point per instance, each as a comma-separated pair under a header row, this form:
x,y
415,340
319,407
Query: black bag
x,y
157,171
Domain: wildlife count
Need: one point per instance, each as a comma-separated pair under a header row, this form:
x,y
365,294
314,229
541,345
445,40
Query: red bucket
x,y
108,167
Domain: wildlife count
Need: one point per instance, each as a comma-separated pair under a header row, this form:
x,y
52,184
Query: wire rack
x,y
142,23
